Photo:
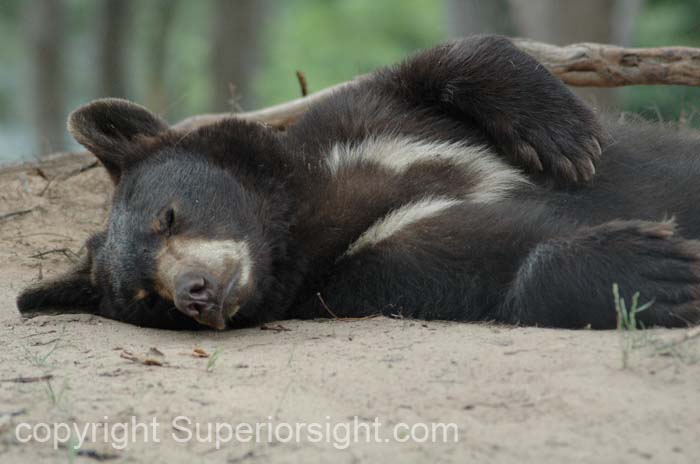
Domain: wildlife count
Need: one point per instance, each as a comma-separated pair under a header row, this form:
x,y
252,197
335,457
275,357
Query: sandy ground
x,y
515,394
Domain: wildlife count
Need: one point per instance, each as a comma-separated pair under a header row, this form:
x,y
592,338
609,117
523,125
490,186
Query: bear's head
x,y
198,222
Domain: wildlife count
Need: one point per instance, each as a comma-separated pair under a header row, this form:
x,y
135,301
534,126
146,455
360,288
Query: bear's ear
x,y
72,292
113,130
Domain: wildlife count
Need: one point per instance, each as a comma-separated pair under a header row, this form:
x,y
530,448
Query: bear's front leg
x,y
529,115
568,281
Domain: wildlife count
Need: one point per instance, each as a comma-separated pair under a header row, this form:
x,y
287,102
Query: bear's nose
x,y
196,295
194,288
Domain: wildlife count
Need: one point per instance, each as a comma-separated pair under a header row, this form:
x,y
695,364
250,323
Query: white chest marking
x,y
494,178
400,219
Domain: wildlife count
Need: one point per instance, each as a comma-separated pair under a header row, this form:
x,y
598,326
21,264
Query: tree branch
x,y
280,115
584,65
596,65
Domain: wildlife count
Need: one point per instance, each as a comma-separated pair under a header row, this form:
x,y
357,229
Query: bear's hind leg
x,y
568,281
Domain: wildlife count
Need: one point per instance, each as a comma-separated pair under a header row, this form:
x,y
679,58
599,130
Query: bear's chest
x,y
366,182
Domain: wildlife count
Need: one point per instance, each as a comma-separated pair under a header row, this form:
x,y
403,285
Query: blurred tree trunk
x,y
45,37
624,17
236,27
163,15
113,33
562,22
467,17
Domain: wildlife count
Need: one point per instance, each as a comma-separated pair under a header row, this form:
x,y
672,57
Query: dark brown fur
x,y
547,253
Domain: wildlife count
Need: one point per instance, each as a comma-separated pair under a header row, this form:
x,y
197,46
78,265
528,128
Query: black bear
x,y
465,183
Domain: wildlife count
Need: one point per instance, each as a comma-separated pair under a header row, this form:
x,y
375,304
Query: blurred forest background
x,y
182,57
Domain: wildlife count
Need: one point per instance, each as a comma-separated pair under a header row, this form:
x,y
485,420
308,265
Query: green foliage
x,y
187,65
332,41
329,40
634,338
666,23
211,363
627,324
13,67
627,318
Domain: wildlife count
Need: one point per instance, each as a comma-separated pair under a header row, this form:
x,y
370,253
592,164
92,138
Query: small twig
x,y
363,318
23,236
145,360
41,173
68,175
234,99
89,453
81,169
49,182
72,256
40,343
275,328
96,455
37,334
326,306
344,319
302,83
41,378
19,212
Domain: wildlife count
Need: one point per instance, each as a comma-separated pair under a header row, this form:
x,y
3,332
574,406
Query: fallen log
x,y
581,65
597,65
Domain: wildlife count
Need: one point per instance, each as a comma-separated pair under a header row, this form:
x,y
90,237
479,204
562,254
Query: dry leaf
x,y
199,353
147,361
155,352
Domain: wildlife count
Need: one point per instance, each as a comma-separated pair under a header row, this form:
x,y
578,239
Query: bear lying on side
x,y
465,183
